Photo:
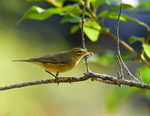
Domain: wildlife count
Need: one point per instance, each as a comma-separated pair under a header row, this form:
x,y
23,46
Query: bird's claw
x,y
57,81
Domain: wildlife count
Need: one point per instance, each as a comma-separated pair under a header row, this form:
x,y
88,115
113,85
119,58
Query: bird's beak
x,y
89,53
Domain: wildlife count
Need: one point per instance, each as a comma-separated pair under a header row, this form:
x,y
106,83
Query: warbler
x,y
59,62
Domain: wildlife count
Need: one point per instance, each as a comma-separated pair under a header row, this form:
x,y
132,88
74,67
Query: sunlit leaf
x,y
134,39
38,13
74,29
147,50
97,3
145,73
93,30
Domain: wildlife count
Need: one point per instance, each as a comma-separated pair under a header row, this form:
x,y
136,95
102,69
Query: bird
x,y
59,62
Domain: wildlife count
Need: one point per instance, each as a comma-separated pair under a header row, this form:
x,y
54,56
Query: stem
x,y
82,36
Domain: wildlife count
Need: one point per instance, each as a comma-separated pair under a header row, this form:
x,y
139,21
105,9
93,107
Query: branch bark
x,y
94,77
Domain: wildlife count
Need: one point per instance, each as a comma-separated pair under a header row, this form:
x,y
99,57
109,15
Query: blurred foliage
x,y
145,71
147,50
86,98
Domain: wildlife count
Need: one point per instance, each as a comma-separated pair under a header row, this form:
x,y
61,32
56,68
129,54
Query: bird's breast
x,y
58,67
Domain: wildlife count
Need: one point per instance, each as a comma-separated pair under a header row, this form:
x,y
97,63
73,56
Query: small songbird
x,y
59,62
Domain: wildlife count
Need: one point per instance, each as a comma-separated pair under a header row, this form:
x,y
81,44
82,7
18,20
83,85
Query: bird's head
x,y
80,52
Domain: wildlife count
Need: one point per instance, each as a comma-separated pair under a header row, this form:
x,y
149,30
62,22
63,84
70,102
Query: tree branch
x,y
94,77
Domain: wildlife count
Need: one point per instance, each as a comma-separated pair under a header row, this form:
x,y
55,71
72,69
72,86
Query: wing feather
x,y
54,59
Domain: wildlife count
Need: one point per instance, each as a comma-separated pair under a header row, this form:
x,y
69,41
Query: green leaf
x,y
38,13
97,3
112,15
124,18
71,18
134,39
147,50
92,34
136,21
125,6
111,11
75,10
74,29
145,73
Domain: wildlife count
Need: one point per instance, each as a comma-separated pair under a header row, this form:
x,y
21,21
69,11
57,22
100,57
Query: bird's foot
x,y
57,81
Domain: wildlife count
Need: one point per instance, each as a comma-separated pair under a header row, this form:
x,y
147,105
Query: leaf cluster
x,y
93,21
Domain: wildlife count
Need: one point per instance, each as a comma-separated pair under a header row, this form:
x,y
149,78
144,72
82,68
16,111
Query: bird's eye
x,y
79,51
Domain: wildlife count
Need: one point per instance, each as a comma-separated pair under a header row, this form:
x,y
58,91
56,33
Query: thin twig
x,y
82,35
140,76
117,31
121,75
82,28
118,48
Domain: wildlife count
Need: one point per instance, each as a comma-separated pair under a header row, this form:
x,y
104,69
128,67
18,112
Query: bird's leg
x,y
51,73
56,76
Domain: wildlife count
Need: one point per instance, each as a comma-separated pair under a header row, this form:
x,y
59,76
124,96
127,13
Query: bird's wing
x,y
54,59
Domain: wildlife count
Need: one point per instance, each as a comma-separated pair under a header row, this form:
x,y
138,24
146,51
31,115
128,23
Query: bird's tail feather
x,y
21,61
28,60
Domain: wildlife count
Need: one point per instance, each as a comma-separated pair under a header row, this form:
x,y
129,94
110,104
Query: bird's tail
x,y
21,61
28,60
